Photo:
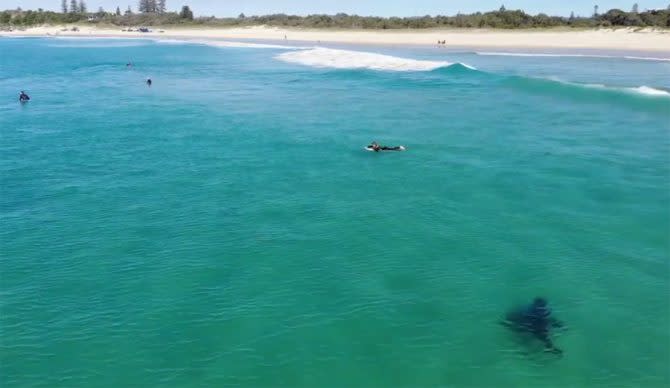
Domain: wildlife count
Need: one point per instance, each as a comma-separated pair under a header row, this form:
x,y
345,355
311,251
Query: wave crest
x,y
651,91
642,90
345,59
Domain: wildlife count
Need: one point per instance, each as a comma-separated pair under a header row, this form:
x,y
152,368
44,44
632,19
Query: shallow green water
x,y
226,228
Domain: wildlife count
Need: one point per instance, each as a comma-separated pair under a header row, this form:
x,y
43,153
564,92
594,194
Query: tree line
x,y
149,12
152,6
154,12
75,8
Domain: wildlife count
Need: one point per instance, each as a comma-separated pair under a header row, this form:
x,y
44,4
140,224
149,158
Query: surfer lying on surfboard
x,y
376,147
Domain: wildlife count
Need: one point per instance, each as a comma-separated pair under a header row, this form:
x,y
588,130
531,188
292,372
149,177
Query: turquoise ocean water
x,y
225,227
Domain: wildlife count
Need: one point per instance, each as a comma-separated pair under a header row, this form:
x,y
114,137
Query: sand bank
x,y
605,39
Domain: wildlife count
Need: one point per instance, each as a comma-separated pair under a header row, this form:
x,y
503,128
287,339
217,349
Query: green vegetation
x,y
152,6
153,13
186,13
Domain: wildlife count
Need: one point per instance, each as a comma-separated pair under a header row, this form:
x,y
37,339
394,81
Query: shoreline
x,y
627,39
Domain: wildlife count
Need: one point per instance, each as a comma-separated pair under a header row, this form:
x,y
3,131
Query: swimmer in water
x,y
23,97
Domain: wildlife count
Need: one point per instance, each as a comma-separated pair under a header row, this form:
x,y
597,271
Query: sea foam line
x,y
98,45
227,44
344,59
513,54
643,90
651,91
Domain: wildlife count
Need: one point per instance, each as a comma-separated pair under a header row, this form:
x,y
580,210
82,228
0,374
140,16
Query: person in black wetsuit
x,y
376,147
23,97
149,82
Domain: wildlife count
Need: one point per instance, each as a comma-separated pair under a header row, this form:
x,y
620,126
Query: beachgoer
x,y
149,82
23,97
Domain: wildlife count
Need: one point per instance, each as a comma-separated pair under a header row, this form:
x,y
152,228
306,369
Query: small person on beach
x,y
23,97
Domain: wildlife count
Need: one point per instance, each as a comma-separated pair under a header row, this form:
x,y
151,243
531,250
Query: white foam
x,y
592,86
512,54
227,44
650,91
97,45
645,90
647,59
345,59
62,37
249,45
171,41
79,38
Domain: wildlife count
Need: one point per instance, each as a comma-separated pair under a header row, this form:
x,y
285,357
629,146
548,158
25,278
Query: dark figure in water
x,y
376,147
23,97
149,82
536,320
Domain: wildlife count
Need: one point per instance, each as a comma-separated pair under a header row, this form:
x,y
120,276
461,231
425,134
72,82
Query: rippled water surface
x,y
225,227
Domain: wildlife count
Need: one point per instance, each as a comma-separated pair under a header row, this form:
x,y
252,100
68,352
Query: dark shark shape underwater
x,y
536,320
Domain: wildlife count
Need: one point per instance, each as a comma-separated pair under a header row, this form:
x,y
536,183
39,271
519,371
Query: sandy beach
x,y
605,39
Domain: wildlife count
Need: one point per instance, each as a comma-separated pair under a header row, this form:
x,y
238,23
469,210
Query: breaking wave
x,y
640,90
345,59
650,91
321,57
640,97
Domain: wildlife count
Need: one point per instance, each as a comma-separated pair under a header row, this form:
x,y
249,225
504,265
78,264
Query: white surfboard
x,y
368,148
